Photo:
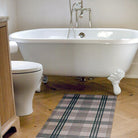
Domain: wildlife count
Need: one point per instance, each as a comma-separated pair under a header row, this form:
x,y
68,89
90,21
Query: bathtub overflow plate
x,y
82,35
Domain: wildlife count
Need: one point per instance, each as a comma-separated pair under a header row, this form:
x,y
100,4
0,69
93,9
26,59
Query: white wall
x,y
133,72
55,13
8,8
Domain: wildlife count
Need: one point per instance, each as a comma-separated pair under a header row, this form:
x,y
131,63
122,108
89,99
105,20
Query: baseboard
x,y
133,76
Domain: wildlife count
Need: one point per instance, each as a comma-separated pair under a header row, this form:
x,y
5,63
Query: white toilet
x,y
26,80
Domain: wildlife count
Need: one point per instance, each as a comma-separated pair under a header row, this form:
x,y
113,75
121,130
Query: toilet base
x,y
25,86
23,110
23,103
18,113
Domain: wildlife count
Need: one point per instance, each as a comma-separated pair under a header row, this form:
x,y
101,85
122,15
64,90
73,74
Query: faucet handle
x,y
76,5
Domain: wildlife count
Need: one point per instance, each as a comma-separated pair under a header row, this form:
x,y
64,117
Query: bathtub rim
x,y
74,40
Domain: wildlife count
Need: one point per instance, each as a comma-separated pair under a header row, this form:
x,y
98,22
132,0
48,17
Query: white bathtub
x,y
101,53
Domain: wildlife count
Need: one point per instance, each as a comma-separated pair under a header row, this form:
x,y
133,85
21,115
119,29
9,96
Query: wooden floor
x,y
125,123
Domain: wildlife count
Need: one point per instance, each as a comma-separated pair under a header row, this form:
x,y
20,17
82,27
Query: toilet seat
x,y
22,67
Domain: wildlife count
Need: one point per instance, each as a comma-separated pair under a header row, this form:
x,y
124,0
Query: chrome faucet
x,y
81,14
78,8
81,3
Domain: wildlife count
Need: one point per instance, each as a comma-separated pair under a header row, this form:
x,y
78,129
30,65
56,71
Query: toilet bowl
x,y
26,80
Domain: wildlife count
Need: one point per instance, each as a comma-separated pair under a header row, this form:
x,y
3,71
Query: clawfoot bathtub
x,y
100,53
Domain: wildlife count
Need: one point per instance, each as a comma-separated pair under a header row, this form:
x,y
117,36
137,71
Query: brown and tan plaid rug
x,y
81,116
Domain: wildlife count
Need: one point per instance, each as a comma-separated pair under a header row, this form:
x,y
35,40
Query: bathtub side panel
x,y
99,60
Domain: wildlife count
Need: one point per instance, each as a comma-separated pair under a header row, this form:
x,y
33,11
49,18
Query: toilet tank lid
x,y
25,67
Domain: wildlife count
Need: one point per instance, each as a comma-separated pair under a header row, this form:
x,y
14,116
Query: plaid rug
x,y
81,116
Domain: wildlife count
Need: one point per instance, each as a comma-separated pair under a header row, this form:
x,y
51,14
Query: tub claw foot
x,y
45,79
115,78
